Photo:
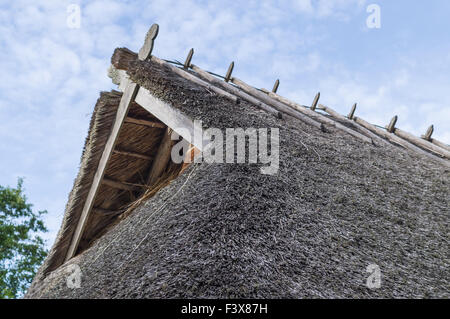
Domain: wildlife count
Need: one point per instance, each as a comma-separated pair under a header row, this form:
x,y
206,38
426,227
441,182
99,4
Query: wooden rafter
x,y
162,157
129,94
344,119
127,97
234,90
133,154
422,143
397,140
148,123
120,185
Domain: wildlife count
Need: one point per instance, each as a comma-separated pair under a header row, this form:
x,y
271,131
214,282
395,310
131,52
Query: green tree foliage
x,y
21,249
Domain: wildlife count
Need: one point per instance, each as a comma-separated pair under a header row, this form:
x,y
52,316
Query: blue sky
x,y
52,74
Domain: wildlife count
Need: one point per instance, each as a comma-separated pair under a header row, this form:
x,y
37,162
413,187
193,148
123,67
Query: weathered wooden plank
x,y
147,123
162,157
397,140
427,136
122,111
119,185
276,104
172,117
422,143
440,144
118,77
196,80
233,90
360,128
319,117
133,154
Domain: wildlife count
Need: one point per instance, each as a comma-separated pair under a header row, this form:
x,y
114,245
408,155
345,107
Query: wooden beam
x,y
440,144
397,140
319,117
130,92
122,57
162,157
173,118
233,90
196,80
360,128
148,123
122,111
133,154
121,185
276,104
422,143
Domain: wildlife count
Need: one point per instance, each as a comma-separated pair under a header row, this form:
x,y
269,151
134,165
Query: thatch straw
x,y
220,230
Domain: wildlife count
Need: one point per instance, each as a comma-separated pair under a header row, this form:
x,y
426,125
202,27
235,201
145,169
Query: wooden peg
x,y
187,63
230,70
146,50
391,127
275,86
428,134
352,112
316,100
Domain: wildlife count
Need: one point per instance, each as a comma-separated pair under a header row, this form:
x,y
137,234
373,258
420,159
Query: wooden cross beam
x,y
148,123
133,154
317,117
422,143
397,140
162,157
120,185
128,97
358,127
233,90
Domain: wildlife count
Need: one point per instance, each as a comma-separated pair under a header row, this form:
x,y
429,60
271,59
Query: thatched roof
x,y
335,206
